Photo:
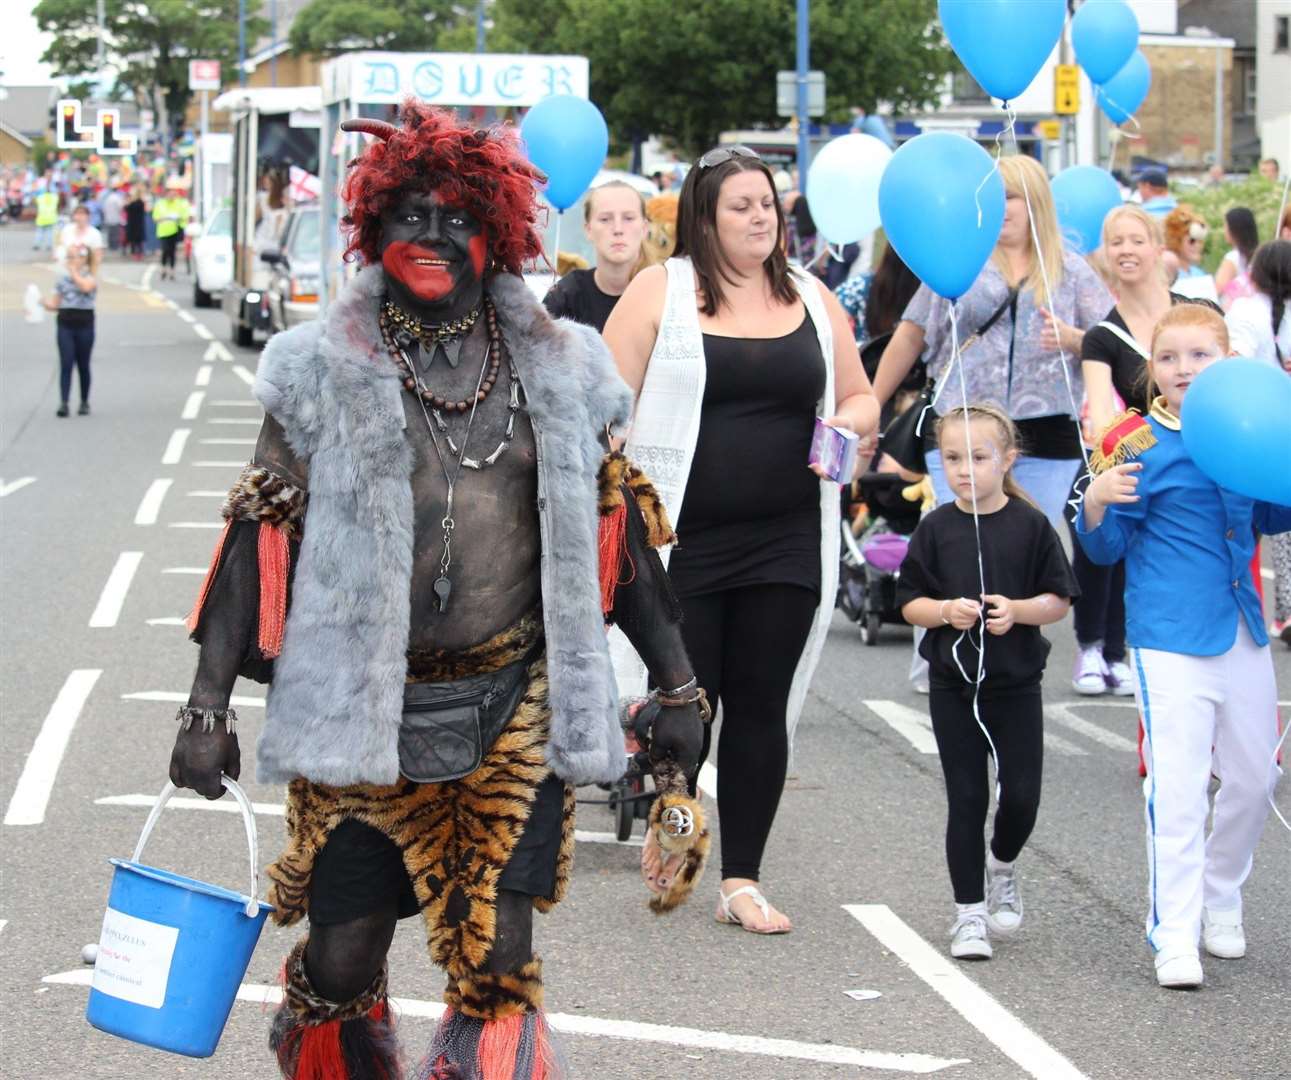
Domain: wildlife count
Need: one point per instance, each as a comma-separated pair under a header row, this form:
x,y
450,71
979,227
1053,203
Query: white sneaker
x,y
969,939
1222,934
1090,675
1003,901
1120,680
1179,969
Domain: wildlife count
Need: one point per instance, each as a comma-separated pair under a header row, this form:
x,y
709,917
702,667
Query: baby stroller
x,y
867,580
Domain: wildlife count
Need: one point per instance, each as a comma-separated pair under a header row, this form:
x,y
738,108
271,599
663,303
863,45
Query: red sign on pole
x,y
203,74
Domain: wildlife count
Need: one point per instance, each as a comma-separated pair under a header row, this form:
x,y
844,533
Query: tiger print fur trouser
x,y
455,838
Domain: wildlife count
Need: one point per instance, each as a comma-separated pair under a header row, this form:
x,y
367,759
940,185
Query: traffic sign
x,y
203,74
1066,89
786,93
1049,129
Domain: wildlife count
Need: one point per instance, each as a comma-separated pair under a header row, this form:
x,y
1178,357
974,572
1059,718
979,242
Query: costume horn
x,y
380,128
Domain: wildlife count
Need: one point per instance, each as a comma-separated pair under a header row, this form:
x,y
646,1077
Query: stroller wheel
x,y
870,628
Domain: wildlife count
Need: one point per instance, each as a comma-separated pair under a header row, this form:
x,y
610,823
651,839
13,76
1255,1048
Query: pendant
x,y
443,589
451,351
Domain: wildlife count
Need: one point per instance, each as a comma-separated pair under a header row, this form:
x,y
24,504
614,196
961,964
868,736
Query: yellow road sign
x,y
1049,129
1066,89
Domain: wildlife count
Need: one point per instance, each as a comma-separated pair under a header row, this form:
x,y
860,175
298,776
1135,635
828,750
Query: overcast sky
x,y
20,49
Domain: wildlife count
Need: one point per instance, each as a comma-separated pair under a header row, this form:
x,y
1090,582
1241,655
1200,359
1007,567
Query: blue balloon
x,y
1083,195
1003,43
1235,428
1122,94
566,137
941,201
1104,34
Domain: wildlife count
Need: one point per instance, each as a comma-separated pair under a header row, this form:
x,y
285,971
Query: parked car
x,y
213,259
296,273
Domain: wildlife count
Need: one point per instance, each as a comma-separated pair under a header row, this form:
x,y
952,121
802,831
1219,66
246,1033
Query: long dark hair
x,y
1271,274
697,232
1243,230
892,288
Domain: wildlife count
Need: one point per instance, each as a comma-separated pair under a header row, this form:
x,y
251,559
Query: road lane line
x,y
31,796
203,375
185,315
1058,745
146,281
230,403
196,525
203,332
150,504
238,421
175,447
238,701
16,485
216,351
206,495
1096,732
193,405
219,464
242,373
1001,1027
911,724
199,570
108,609
707,782
169,620
262,994
229,442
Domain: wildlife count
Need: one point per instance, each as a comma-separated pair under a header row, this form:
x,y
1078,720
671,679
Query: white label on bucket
x,y
134,959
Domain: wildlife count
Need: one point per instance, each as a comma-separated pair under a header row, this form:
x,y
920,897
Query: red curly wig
x,y
481,171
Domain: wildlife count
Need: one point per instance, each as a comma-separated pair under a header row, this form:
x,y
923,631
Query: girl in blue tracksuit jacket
x,y
1204,677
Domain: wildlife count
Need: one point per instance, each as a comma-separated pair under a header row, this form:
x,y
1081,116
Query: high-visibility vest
x,y
46,208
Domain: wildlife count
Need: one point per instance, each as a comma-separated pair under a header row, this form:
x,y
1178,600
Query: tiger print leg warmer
x,y
317,1039
493,1029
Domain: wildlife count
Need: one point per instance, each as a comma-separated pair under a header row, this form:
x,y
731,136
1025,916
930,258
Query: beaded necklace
x,y
391,323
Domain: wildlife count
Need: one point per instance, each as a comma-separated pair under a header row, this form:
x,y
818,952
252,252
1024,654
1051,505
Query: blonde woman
x,y
1010,341
614,219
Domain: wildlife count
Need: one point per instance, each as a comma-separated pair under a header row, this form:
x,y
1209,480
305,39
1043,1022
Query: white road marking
x,y
603,1027
169,620
219,464
206,494
1062,714
3,924
1267,575
707,782
216,351
113,596
229,442
1058,745
202,332
175,447
31,796
169,303
236,700
243,374
974,1004
185,316
230,403
911,724
146,282
1103,703
203,375
237,421
150,504
184,570
15,485
193,405
197,525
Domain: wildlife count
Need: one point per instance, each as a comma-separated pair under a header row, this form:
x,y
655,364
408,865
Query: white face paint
x,y
982,477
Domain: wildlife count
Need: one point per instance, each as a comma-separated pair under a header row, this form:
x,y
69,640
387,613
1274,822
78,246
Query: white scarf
x,y
665,428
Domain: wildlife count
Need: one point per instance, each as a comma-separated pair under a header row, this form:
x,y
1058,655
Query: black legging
x,y
75,343
1099,610
744,644
168,244
1016,724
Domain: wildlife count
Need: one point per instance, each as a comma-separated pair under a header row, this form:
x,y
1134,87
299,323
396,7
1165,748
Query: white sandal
x,y
729,918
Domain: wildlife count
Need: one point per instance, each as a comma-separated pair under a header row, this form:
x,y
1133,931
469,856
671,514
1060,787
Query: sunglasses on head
x,y
726,153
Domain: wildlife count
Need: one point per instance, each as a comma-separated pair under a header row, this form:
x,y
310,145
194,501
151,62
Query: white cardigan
x,y
665,429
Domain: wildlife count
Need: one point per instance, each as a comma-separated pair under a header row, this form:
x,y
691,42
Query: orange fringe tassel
x,y
612,547
196,614
273,553
500,1046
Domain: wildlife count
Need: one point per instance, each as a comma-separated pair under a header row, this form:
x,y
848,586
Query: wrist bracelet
x,y
691,694
941,612
688,687
188,713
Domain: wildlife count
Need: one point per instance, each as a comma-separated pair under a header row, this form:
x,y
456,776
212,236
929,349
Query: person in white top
x,y
80,234
1233,278
1260,325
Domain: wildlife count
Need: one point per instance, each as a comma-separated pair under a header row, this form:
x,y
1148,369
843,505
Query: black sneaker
x,y
84,410
63,410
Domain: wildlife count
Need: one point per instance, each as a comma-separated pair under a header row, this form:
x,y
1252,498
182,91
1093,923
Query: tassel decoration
x,y
1125,438
516,1047
273,552
612,548
195,616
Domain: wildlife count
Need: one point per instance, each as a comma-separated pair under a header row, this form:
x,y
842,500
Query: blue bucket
x,y
173,951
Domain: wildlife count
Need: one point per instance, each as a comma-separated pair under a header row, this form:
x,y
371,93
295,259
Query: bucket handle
x,y
248,819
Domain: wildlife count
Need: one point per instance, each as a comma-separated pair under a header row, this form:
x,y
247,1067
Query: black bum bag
x,y
448,727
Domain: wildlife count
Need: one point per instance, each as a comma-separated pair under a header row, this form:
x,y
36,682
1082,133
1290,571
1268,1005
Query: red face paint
x,y
477,247
431,281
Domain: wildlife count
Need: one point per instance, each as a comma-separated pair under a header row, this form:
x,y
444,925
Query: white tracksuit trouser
x,y
1189,705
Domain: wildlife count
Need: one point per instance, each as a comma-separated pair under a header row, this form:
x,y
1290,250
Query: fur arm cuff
x,y
264,496
617,476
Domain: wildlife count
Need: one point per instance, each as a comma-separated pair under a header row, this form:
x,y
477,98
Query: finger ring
x,y
677,821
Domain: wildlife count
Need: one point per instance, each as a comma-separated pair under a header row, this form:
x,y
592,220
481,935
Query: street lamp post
x,y
804,45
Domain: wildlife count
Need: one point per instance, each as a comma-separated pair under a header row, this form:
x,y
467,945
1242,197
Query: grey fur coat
x,y
334,705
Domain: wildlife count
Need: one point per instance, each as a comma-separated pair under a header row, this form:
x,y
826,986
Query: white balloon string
x,y
1276,751
1075,501
956,357
555,243
1007,129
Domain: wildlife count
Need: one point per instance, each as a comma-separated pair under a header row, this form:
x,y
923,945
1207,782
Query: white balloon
x,y
843,187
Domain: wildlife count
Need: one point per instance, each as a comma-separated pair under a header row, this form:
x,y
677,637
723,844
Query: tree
x,y
326,27
690,72
148,42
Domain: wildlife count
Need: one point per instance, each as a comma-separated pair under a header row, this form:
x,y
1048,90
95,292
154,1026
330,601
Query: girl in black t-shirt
x,y
982,575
